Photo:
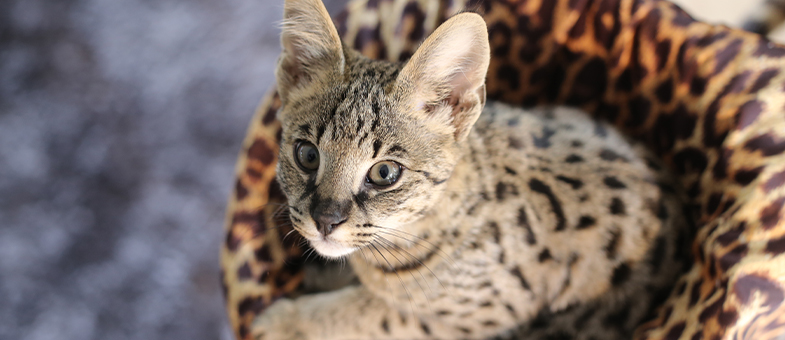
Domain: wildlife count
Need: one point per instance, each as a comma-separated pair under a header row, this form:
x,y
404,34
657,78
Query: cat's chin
x,y
330,248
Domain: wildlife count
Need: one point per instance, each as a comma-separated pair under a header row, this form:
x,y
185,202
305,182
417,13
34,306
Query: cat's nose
x,y
329,215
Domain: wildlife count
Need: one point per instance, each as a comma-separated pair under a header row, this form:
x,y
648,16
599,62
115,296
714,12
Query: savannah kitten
x,y
513,223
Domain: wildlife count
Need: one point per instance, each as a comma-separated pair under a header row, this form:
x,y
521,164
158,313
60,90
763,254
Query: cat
x,y
461,218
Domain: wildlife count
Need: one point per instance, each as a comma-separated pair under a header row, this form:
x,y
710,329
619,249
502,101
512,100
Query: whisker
x,y
410,273
411,302
418,261
379,263
441,253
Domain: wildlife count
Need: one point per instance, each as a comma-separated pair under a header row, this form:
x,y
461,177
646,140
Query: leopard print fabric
x,y
707,99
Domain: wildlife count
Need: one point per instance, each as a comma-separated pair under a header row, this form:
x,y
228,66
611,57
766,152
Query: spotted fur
x,y
705,99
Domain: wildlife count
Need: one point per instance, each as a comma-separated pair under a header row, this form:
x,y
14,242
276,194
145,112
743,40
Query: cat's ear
x,y
310,46
445,77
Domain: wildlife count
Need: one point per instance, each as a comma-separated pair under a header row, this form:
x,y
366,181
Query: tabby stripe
x,y
541,188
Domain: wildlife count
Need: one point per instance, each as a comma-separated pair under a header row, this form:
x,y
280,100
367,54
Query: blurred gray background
x,y
120,123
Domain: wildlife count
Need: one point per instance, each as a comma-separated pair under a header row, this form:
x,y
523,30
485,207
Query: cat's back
x,y
594,202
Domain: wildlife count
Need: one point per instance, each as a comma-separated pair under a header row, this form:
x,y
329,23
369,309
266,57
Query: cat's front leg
x,y
349,313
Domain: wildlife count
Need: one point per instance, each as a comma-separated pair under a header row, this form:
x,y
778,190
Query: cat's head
x,y
368,146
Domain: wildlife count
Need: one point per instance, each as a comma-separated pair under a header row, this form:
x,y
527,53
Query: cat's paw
x,y
280,322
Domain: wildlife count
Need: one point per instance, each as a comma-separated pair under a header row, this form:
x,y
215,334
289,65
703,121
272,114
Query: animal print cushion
x,y
708,99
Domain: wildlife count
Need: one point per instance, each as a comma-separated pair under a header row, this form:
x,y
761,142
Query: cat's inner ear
x,y
311,47
445,78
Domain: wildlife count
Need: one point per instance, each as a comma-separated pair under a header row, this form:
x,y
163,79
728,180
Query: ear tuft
x,y
446,75
310,46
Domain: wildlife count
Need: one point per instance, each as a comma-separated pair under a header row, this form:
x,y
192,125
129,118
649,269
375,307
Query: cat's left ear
x,y
311,47
445,77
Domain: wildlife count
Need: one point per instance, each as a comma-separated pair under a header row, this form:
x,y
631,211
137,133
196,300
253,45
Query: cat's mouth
x,y
329,247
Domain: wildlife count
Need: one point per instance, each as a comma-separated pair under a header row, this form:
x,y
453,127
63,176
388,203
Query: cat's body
x,y
526,223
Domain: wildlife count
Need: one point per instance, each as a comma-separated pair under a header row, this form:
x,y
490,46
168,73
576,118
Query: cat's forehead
x,y
360,98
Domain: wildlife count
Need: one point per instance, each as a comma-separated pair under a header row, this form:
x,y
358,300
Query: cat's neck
x,y
469,184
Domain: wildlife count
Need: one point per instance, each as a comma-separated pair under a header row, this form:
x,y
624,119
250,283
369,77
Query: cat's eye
x,y
307,156
384,173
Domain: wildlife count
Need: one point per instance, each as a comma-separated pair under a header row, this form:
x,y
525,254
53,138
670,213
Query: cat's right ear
x,y
445,78
310,45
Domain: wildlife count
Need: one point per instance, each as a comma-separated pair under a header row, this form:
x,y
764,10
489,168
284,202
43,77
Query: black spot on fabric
x,y
510,75
263,254
253,305
573,159
244,272
624,82
684,122
776,180
771,215
639,108
731,235
695,292
386,325
748,286
658,253
550,78
664,91
776,246
662,50
232,242
418,18
690,160
764,79
720,169
240,191
746,176
711,38
590,82
499,34
542,188
732,257
260,150
748,113
510,171
724,56
697,86
676,331
767,144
